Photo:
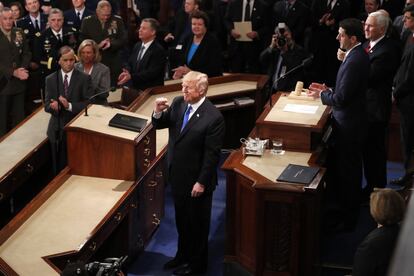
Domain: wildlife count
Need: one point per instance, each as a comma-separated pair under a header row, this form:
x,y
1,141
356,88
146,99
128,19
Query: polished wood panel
x,y
271,227
297,134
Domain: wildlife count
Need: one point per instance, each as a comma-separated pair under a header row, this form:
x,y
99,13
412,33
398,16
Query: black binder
x,y
298,174
128,122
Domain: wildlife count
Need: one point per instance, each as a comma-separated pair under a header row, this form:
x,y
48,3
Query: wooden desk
x,y
222,91
87,213
272,228
299,131
24,163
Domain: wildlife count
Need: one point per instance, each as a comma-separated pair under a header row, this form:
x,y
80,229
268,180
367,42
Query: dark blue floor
x,y
336,250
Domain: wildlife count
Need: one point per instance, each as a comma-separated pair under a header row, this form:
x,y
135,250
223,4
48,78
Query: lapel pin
x,y
198,115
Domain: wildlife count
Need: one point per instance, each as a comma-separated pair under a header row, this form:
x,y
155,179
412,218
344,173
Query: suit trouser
x,y
344,175
192,218
11,111
407,133
374,152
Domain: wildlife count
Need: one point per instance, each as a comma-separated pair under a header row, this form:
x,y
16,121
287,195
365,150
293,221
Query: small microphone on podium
x,y
306,62
88,101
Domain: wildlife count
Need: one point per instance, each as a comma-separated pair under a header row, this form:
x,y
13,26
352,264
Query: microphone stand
x,y
305,62
88,101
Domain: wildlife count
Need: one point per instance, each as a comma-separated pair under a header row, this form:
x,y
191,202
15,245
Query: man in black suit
x,y
14,61
384,58
74,17
67,91
282,55
403,95
146,64
244,55
348,123
52,39
196,132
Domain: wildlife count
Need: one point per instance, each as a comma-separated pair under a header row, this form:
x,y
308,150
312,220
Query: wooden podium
x,y
272,227
99,206
299,130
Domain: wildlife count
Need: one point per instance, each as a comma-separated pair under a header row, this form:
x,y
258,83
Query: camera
x,y
109,267
280,31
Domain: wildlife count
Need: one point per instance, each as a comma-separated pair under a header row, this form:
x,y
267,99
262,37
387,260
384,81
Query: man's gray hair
x,y
381,19
200,79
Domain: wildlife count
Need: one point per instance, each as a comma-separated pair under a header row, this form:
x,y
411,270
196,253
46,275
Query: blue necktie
x,y
186,116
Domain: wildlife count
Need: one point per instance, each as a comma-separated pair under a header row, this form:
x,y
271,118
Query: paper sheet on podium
x,y
243,28
301,108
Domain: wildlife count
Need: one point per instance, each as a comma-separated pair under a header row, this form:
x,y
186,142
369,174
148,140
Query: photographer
x,y
282,55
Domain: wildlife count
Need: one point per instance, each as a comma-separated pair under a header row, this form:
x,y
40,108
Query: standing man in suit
x,y
14,61
348,123
244,55
196,131
67,91
109,32
403,95
146,64
384,58
74,17
46,48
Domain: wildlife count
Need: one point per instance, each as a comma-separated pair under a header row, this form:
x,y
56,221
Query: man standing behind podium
x,y
66,93
348,122
196,131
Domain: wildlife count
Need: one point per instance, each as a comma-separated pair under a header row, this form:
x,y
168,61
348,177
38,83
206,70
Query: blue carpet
x,y
163,245
337,251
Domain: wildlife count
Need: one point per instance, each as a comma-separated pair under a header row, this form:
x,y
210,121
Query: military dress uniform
x,y
16,54
73,21
113,29
46,49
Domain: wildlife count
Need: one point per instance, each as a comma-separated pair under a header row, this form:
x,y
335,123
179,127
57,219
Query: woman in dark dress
x,y
201,50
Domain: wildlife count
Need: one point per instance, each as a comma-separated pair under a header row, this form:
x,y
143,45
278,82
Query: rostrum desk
x,y
273,227
25,162
222,91
87,212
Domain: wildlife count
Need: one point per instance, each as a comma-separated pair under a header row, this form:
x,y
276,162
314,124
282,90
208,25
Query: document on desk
x,y
301,108
243,28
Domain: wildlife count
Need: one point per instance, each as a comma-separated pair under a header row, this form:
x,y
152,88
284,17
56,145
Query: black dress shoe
x,y
174,263
188,270
402,181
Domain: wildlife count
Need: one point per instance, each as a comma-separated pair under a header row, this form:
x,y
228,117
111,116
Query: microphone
x,y
112,89
306,62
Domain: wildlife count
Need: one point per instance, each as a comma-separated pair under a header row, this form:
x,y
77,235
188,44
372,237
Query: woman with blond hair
x,y
89,56
375,252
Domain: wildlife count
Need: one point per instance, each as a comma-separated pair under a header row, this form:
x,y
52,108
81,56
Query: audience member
x,y
244,55
196,132
282,55
67,91
14,61
384,58
374,254
146,64
403,95
370,6
74,17
394,7
17,10
295,14
344,173
398,21
326,16
46,48
109,32
89,63
201,50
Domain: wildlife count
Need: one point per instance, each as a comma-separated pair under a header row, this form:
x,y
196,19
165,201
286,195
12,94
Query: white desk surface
x,y
99,117
23,140
63,223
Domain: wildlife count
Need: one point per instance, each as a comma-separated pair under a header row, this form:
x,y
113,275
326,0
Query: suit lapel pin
x,y
198,115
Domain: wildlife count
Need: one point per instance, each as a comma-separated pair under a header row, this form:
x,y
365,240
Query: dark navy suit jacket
x,y
72,20
348,98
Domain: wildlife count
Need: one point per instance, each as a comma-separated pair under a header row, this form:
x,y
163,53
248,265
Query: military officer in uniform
x,y
109,32
14,62
52,39
74,17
